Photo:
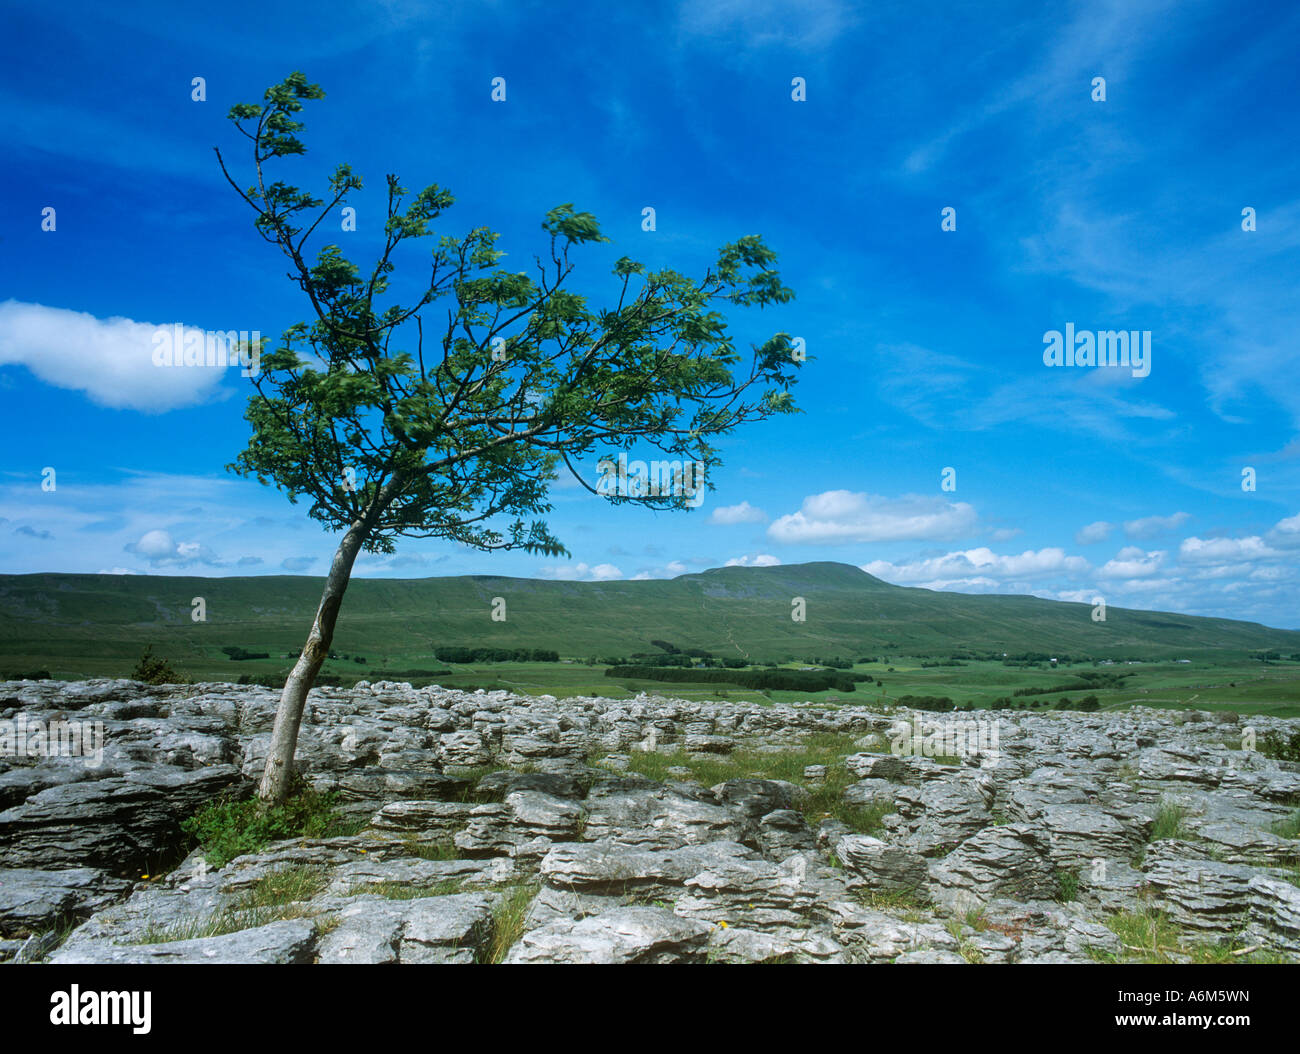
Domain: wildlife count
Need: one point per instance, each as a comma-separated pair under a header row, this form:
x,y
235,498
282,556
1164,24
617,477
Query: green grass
x,y
58,928
430,850
1067,886
508,922
406,891
283,886
906,903
1288,827
279,895
1170,822
966,947
228,828
1151,936
825,799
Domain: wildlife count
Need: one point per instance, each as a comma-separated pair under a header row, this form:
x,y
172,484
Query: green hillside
x,y
99,624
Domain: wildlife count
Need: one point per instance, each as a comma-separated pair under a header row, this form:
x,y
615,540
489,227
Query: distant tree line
x,y
444,653
926,702
1088,680
1088,704
240,654
780,680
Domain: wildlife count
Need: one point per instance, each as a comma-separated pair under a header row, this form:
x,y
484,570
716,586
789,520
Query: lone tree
x,y
461,438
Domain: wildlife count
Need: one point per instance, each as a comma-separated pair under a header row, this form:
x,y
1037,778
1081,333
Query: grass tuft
x,y
508,923
1169,822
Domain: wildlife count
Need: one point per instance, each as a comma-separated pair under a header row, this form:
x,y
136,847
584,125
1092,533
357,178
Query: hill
x,y
93,624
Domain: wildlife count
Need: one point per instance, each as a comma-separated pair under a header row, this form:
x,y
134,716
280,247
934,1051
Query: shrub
x,y
239,654
229,827
153,669
926,702
1273,745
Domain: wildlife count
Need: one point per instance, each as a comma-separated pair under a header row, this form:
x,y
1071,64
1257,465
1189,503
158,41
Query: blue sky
x,y
1122,214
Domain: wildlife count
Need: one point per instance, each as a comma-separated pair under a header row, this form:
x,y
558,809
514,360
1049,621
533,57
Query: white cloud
x,y
1132,562
159,548
581,572
1093,533
1225,550
979,567
742,513
755,560
111,360
1152,526
1286,532
839,516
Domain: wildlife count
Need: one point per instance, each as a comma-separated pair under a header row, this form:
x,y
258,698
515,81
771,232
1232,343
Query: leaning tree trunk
x,y
288,716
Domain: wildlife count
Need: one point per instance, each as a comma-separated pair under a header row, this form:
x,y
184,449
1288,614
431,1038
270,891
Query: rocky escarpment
x,y
491,827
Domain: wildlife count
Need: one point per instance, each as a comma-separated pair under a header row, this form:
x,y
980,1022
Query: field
x,y
1272,688
99,625
1247,687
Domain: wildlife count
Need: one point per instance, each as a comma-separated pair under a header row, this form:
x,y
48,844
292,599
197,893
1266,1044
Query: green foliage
x,y
1087,704
153,669
229,828
456,430
1275,745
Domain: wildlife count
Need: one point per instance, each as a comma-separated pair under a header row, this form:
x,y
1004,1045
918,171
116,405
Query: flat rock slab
x,y
447,929
624,935
611,869
287,941
32,899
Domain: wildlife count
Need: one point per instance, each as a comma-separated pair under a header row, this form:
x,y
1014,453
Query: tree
x,y
461,437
